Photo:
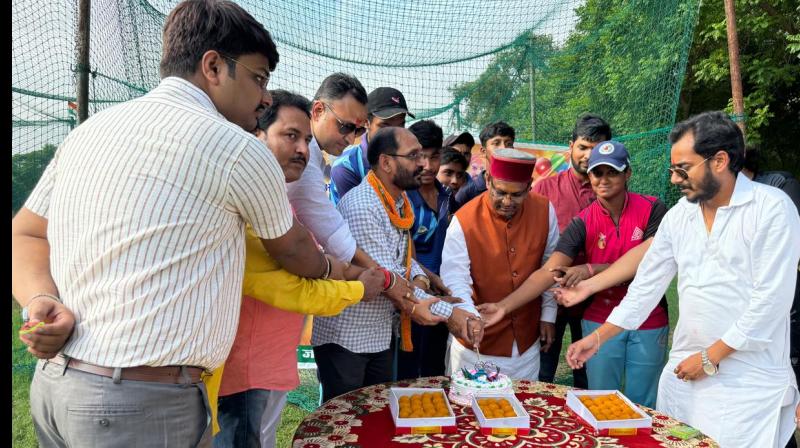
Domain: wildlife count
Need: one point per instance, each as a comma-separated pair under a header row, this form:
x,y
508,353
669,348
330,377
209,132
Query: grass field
x,y
22,370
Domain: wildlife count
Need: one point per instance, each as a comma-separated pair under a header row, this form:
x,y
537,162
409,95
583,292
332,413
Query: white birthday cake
x,y
463,388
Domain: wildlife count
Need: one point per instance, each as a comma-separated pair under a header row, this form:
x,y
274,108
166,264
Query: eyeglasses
x,y
516,197
683,173
261,79
346,128
413,156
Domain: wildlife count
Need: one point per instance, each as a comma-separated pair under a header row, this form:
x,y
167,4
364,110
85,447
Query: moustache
x,y
299,159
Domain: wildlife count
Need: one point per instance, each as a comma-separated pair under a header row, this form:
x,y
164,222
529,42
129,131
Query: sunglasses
x,y
346,128
684,173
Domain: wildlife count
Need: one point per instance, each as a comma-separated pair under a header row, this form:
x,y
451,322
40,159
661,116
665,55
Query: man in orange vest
x,y
493,244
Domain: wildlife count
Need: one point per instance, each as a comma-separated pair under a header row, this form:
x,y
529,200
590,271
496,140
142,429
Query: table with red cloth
x,y
361,418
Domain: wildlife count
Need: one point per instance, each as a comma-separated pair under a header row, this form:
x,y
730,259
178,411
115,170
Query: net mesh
x,y
538,64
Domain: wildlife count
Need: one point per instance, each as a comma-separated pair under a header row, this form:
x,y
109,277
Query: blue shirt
x,y
430,227
349,169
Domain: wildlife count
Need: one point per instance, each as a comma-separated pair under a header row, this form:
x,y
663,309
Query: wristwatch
x,y
708,367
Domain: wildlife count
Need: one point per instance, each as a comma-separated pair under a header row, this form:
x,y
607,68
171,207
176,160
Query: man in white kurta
x,y
736,277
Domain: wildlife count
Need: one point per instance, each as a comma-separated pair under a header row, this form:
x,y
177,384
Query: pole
x,y
733,56
84,11
532,87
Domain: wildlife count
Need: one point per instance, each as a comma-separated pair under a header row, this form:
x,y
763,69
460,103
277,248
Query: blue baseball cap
x,y
611,153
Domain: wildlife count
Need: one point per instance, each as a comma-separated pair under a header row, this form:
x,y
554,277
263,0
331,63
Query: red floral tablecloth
x,y
361,419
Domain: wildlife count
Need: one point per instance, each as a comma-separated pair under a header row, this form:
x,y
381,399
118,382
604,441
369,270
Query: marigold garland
x,y
402,221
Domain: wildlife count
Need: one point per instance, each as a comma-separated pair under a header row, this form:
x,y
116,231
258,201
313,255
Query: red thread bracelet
x,y
591,271
387,279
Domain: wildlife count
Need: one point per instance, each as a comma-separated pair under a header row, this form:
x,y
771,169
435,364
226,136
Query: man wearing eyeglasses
x,y
493,244
734,245
386,108
130,250
352,349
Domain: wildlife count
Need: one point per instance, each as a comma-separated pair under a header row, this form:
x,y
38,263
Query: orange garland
x,y
402,221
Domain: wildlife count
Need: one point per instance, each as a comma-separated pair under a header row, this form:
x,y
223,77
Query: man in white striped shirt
x,y
131,247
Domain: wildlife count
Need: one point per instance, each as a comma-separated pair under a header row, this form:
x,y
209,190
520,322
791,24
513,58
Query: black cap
x,y
386,102
464,137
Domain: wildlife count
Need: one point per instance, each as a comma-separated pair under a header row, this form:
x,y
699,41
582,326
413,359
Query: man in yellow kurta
x,y
261,367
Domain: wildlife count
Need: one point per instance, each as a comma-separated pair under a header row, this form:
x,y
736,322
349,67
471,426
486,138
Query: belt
x,y
166,374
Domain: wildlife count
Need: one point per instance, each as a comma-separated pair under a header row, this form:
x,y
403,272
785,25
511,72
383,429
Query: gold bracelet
x,y
328,268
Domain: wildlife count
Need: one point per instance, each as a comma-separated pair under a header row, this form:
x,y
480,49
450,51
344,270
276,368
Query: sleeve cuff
x,y
549,314
442,309
341,244
618,318
737,340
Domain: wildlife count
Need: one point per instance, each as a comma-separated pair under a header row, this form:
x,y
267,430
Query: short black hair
x,y
452,155
492,130
338,85
713,131
428,133
282,98
383,142
591,127
194,27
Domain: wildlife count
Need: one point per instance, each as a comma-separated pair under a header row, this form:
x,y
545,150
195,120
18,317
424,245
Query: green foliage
x,y
769,42
26,169
624,60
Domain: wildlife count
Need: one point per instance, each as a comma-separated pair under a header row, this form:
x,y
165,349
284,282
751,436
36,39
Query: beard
x,y
707,188
578,168
407,179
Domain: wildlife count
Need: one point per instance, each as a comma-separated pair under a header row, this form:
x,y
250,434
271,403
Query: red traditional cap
x,y
512,165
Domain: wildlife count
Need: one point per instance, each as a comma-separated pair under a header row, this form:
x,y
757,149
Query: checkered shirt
x,y
367,326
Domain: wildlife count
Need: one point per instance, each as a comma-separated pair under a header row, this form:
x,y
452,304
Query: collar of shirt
x,y
179,85
573,175
605,211
442,199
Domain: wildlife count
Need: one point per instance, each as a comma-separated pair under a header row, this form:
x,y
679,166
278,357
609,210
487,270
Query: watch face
x,y
709,369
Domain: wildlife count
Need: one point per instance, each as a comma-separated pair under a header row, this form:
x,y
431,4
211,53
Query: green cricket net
x,y
537,64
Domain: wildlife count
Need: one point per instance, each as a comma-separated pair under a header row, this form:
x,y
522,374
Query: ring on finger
x,y
408,295
413,308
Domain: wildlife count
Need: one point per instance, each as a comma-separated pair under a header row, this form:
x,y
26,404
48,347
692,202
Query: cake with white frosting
x,y
464,384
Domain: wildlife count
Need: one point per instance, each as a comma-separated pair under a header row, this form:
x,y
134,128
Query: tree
x,y
26,169
624,60
769,40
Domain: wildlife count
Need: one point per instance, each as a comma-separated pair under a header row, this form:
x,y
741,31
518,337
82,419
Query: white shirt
x,y
146,205
735,283
313,208
455,267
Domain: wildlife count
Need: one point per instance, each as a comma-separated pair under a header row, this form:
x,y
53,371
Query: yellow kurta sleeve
x,y
266,281
213,383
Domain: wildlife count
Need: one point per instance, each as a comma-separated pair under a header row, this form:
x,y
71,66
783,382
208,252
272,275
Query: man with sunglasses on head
x,y
493,244
734,245
386,108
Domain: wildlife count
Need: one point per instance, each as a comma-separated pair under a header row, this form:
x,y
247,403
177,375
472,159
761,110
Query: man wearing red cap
x,y
493,244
